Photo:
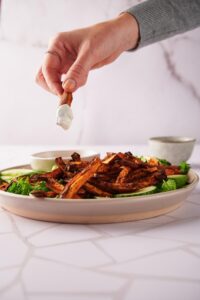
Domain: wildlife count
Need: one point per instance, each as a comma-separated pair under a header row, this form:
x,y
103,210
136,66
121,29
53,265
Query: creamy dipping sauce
x,y
64,116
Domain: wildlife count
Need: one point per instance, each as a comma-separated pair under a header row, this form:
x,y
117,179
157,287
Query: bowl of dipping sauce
x,y
44,161
175,149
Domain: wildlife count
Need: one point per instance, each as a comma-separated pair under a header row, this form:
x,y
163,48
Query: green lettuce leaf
x,y
184,167
168,185
22,186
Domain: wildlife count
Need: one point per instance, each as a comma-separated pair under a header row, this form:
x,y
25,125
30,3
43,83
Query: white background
x,y
153,91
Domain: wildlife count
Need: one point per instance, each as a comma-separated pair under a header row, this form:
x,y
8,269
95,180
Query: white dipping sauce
x,y
64,116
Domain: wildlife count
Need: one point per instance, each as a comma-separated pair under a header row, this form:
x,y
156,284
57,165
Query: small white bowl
x,y
44,161
175,149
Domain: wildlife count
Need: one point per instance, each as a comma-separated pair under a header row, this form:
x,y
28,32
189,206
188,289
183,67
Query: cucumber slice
x,y
54,167
6,178
180,179
16,172
145,191
10,174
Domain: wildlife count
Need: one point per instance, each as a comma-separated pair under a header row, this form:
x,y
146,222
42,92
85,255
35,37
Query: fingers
x,y
61,59
48,85
52,74
49,75
41,80
52,77
77,74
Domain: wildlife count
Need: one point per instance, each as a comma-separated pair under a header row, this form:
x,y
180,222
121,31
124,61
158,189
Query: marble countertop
x,y
158,258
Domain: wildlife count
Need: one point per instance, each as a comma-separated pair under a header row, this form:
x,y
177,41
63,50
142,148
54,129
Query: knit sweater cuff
x,y
161,19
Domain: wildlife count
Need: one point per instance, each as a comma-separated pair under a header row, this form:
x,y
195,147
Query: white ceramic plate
x,y
87,211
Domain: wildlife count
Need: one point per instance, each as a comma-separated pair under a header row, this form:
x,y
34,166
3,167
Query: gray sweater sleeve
x,y
161,19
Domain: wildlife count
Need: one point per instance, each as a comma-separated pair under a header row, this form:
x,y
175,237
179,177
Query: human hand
x,y
76,52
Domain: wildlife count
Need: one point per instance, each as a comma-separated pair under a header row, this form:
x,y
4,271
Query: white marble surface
x,y
153,91
156,259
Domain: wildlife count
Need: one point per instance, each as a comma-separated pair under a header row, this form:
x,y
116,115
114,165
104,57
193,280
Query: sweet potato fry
x,y
110,158
115,188
123,175
61,164
133,163
76,156
76,166
54,174
81,178
77,196
4,186
140,173
104,168
172,170
43,194
96,191
73,165
54,185
152,179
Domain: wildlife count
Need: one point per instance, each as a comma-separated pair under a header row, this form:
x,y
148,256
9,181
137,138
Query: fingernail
x,y
69,85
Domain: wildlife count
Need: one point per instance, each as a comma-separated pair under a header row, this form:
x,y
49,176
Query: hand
x,y
76,52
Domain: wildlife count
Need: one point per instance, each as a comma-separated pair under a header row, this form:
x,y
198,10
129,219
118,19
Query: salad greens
x,y
184,167
23,187
9,175
164,162
168,185
19,183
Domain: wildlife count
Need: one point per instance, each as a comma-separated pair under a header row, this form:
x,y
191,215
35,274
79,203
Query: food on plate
x,y
116,175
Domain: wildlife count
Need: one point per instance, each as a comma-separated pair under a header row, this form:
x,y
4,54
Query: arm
x,y
161,19
76,52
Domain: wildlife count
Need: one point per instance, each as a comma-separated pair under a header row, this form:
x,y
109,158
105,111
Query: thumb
x,y
76,75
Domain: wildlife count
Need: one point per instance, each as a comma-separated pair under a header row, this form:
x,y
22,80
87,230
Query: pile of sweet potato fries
x,y
115,174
